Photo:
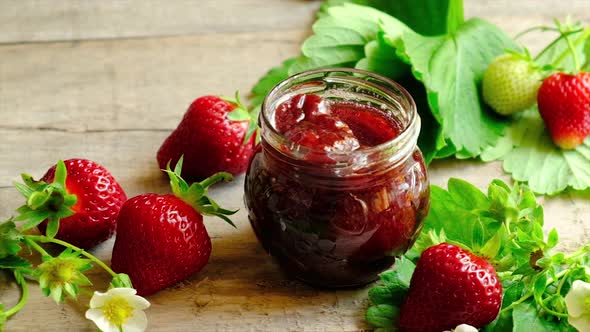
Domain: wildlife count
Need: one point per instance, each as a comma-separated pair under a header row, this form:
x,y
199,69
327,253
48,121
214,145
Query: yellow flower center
x,y
117,310
60,271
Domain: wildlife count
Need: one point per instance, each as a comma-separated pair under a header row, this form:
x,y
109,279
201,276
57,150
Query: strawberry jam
x,y
338,187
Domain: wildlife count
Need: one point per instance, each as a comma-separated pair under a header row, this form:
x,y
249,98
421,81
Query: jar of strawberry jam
x,y
338,187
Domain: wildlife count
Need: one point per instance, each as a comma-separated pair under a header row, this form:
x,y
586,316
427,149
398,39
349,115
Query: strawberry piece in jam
x,y
333,126
323,132
295,109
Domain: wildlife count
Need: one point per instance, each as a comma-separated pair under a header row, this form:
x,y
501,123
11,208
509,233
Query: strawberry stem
x,y
45,200
221,176
196,194
563,30
555,41
24,295
36,246
535,28
455,16
46,239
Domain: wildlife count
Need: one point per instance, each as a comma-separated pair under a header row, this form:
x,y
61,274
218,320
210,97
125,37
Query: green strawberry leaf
x,y
383,316
340,36
558,54
502,323
451,67
534,158
268,81
239,114
527,318
14,262
10,239
412,13
381,58
196,194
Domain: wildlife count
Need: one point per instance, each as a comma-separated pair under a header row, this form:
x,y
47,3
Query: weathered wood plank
x,y
33,21
145,83
58,20
130,84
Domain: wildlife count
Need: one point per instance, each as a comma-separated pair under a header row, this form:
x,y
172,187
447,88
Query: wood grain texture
x,y
62,20
114,101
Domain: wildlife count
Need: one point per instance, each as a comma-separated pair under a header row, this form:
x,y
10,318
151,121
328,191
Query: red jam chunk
x,y
328,125
345,232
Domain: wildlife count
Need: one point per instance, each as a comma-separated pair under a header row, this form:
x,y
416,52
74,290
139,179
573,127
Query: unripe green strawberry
x,y
510,84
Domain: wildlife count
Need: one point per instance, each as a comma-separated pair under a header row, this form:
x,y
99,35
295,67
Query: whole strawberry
x,y
564,105
78,196
215,135
450,286
161,239
510,84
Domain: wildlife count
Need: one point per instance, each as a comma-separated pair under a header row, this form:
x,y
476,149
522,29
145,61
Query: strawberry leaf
x,y
10,239
451,67
45,200
383,316
239,114
380,57
340,36
14,262
527,318
196,194
268,81
529,154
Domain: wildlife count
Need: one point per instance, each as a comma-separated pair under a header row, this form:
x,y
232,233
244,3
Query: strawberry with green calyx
x,y
510,83
564,100
564,105
215,135
450,286
78,196
500,230
161,239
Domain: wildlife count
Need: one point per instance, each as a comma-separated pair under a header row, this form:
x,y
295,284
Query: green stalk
x,y
455,16
557,40
563,56
536,28
528,295
572,49
35,246
21,302
45,239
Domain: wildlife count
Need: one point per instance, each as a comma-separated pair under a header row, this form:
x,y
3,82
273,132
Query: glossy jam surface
x,y
323,228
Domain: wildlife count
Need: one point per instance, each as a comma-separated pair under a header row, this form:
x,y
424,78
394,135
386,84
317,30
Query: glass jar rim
x,y
406,140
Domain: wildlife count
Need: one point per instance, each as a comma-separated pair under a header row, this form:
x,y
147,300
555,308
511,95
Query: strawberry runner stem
x,y
45,239
563,31
36,246
24,296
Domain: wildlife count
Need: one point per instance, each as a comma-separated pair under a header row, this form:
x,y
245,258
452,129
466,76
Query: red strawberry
x,y
161,239
450,286
564,104
85,212
212,137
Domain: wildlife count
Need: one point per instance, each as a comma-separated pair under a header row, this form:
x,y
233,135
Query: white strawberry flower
x,y
118,310
464,328
577,301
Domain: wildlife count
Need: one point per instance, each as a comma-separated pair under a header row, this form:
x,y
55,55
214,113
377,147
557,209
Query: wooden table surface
x,y
108,80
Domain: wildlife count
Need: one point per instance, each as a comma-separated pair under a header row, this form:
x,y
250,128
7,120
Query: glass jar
x,y
338,223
